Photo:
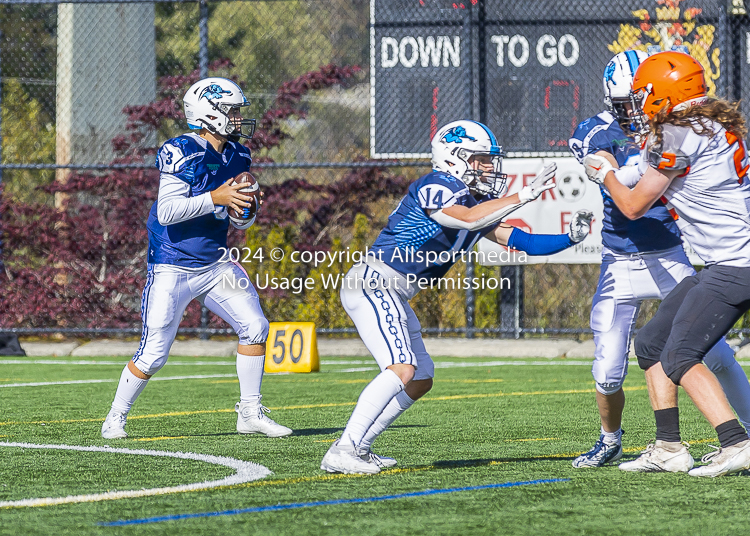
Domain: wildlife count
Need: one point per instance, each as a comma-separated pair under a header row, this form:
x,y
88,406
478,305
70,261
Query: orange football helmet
x,y
668,80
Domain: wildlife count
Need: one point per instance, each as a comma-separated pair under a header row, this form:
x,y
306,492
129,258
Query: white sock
x,y
612,438
373,400
128,389
737,390
250,374
398,404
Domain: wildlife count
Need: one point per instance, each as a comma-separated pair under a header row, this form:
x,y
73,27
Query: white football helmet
x,y
455,144
208,104
618,80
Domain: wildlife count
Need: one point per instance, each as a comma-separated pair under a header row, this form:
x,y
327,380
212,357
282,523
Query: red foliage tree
x,y
81,264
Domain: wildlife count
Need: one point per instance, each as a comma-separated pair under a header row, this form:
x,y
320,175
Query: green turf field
x,y
484,423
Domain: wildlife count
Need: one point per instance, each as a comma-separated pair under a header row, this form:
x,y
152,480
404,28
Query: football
x,y
253,189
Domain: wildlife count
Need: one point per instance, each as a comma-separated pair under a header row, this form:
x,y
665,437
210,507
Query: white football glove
x,y
580,225
597,168
543,181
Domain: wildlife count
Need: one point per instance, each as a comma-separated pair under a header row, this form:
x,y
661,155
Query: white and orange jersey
x,y
711,200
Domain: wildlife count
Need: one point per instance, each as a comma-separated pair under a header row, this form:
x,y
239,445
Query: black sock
x,y
731,433
668,424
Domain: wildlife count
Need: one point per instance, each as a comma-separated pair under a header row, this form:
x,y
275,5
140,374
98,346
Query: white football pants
x,y
376,298
624,282
223,287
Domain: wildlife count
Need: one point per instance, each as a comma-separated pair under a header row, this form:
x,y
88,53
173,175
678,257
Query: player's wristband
x,y
538,244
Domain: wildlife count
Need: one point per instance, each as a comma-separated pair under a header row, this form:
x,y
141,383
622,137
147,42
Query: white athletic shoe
x,y
602,453
381,461
252,419
662,456
114,425
344,459
725,460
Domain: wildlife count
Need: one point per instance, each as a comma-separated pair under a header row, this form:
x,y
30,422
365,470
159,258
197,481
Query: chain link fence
x,y
348,94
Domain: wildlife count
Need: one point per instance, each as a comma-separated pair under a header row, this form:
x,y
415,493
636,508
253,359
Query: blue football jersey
x,y
656,230
194,243
412,240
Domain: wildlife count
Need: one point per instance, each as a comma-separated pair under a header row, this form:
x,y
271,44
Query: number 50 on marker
x,y
292,347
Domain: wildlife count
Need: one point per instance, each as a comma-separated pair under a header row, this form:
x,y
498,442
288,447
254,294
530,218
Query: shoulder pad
x,y
598,133
436,196
668,154
441,177
176,154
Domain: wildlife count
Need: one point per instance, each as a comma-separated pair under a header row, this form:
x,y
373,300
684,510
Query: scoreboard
x,y
530,70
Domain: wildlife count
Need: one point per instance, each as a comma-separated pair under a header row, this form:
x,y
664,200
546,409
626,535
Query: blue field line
x,y
292,506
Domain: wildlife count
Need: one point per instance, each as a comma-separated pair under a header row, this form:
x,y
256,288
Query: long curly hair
x,y
701,117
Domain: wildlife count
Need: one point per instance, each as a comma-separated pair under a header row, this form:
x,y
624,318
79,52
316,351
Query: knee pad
x,y
609,388
609,374
647,355
677,361
151,368
425,367
254,332
646,362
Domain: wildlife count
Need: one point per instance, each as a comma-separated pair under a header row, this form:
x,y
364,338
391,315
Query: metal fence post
x,y
203,67
467,60
203,47
203,335
1,122
511,302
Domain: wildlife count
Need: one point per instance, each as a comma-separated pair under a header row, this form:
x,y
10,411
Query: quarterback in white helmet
x,y
187,230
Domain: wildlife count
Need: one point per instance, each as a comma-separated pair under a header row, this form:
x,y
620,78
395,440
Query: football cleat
x,y
724,461
601,454
662,456
114,425
252,419
344,459
381,461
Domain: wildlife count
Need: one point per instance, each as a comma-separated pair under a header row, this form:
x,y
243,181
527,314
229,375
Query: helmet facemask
x,y
639,118
624,110
618,78
483,181
235,126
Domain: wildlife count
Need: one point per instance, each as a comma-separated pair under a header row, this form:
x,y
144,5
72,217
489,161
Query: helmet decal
x,y
609,72
633,61
456,134
213,91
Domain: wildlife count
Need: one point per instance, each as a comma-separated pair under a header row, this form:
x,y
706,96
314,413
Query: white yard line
x,y
106,363
245,472
115,380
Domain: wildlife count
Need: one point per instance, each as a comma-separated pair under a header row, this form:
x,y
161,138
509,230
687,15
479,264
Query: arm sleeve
x,y
175,204
491,219
538,244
